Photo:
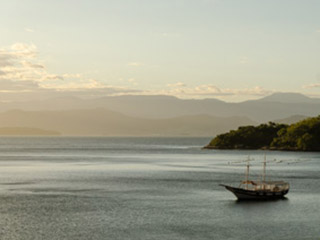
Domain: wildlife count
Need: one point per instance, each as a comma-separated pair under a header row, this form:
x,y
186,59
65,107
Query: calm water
x,y
148,188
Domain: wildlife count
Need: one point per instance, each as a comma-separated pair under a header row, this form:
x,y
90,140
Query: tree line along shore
x,y
301,136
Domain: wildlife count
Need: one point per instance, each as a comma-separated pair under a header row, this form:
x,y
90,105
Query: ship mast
x,y
247,173
264,172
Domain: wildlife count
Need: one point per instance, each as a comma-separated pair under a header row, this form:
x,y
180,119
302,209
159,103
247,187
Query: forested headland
x,y
300,136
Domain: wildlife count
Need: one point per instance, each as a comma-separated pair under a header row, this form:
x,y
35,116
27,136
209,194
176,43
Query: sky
x,y
231,50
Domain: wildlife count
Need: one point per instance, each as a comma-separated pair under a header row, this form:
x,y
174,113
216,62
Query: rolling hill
x,y
102,122
276,106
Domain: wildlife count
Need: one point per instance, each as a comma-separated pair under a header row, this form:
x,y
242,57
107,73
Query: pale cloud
x,y
210,90
204,90
72,75
178,84
24,50
5,59
19,63
29,30
255,91
131,81
71,85
135,64
314,85
88,88
318,30
31,65
51,77
22,71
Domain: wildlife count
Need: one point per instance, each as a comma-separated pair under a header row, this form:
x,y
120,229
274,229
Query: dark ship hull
x,y
244,194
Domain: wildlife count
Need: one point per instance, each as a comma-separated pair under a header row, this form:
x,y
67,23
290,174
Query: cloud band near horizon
x,y
22,72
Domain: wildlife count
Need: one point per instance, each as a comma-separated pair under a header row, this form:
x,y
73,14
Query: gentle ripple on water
x,y
147,188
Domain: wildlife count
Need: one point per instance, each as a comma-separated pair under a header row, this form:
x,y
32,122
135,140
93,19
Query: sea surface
x,y
149,188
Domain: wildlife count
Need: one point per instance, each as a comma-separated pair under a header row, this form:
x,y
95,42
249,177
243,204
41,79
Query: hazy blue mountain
x,y
101,122
289,98
291,120
275,106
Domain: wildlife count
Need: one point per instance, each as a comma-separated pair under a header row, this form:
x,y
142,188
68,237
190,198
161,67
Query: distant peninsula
x,y
24,131
301,136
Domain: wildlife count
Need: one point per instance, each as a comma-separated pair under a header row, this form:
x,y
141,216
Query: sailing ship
x,y
259,190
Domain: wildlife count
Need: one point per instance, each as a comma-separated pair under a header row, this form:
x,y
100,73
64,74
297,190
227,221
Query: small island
x,y
300,136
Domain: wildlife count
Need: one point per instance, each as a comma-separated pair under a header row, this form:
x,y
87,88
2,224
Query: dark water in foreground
x,y
148,188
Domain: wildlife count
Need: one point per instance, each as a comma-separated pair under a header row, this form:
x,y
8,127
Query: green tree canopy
x,y
301,136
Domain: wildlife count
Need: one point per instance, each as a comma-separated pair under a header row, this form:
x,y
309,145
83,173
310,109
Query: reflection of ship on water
x,y
259,190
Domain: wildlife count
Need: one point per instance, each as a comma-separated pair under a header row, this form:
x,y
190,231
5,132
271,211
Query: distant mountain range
x,y
276,106
101,122
152,115
291,120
